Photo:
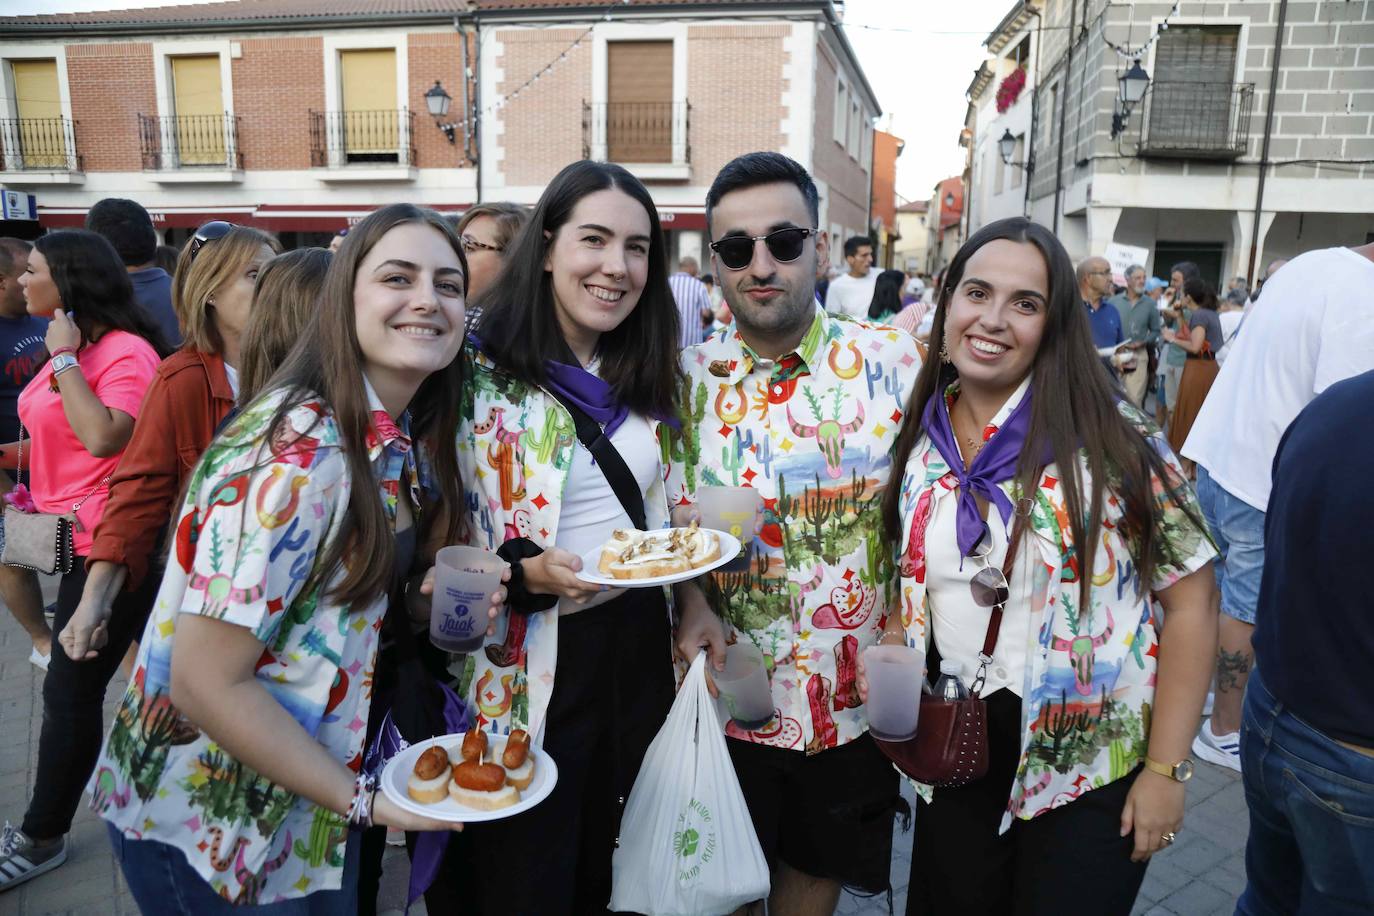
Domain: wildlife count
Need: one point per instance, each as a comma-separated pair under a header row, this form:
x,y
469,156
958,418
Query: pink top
x,y
118,369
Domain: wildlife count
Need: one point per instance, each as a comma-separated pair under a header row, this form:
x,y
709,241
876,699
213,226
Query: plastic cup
x,y
743,686
894,690
464,578
732,509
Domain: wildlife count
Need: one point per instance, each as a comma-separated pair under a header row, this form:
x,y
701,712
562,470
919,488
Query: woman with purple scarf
x,y
1016,443
570,370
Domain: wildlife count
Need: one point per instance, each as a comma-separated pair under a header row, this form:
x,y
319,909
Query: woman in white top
x,y
1016,434
580,323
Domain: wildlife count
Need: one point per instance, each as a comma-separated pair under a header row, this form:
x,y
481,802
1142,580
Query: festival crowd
x,y
262,452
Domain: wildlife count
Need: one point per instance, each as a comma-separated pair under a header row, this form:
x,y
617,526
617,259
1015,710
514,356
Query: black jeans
x,y
73,696
612,694
1069,860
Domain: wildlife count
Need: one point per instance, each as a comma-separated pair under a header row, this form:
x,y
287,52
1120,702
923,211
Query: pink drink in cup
x,y
894,690
464,579
734,510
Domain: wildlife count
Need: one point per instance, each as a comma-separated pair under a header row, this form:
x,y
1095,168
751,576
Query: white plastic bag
x,y
687,845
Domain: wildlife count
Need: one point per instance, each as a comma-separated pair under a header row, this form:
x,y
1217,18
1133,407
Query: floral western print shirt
x,y
253,526
812,432
1089,679
515,447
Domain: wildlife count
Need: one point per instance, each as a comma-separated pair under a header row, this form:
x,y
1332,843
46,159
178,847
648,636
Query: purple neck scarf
x,y
595,397
991,466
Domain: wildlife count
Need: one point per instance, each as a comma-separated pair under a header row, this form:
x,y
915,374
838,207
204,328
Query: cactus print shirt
x,y
248,536
1089,679
813,433
515,450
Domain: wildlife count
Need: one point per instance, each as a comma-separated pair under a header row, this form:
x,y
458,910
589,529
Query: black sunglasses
x,y
215,229
737,251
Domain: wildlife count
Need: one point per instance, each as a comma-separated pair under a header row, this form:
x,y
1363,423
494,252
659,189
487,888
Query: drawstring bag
x,y
687,843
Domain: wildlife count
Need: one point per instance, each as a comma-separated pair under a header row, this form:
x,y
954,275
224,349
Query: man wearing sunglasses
x,y
803,406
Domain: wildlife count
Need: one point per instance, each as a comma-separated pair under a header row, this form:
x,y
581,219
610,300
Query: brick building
x,y
1182,178
300,116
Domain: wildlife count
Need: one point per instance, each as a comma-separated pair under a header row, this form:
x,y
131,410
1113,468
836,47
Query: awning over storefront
x,y
297,218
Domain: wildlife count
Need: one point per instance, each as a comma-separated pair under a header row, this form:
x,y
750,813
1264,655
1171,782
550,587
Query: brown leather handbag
x,y
950,747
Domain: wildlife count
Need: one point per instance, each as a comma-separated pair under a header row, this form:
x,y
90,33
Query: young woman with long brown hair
x,y
231,772
1015,441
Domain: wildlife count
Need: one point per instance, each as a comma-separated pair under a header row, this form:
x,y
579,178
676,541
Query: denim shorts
x,y
1238,529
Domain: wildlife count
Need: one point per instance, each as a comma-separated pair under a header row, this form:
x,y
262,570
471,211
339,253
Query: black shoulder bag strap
x,y
617,472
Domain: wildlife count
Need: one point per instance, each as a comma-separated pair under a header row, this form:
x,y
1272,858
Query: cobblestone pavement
x,y
1201,874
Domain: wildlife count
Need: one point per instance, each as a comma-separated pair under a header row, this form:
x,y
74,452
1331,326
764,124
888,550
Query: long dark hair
x,y
327,362
887,294
1201,292
1074,411
94,287
518,327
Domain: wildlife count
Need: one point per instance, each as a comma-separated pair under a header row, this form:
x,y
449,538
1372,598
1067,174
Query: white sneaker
x,y
38,659
1223,750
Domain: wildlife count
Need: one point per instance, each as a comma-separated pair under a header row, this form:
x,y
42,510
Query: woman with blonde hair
x,y
193,390
285,296
486,230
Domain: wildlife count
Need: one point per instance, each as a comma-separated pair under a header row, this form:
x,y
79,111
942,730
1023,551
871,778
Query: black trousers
x,y
73,697
1069,860
612,694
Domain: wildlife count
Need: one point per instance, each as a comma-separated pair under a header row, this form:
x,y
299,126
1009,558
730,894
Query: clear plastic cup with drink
x,y
734,510
464,579
894,690
743,686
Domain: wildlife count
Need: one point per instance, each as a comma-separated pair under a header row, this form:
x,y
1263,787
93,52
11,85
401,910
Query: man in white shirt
x,y
693,302
852,293
1316,328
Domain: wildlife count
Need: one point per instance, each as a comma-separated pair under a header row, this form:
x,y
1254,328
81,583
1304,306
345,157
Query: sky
x,y
918,55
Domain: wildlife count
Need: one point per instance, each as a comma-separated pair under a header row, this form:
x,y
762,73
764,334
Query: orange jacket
x,y
184,405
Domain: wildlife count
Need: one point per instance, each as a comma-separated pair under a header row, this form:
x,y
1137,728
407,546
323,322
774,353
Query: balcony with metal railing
x,y
649,138
363,145
39,151
189,148
1196,120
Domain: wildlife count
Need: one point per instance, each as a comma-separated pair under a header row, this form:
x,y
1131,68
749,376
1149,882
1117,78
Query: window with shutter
x,y
639,107
1193,97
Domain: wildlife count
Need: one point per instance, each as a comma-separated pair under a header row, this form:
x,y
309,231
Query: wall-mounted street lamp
x,y
1130,90
437,101
1006,146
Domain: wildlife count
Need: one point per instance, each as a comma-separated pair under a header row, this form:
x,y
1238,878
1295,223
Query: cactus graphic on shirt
x,y
328,834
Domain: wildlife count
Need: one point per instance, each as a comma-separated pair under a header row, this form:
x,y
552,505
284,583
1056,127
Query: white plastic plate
x,y
729,549
397,772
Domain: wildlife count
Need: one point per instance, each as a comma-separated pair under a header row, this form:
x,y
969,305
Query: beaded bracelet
x,y
360,809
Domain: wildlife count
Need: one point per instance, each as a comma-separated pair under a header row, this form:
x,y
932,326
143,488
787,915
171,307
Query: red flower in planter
x,y
1009,90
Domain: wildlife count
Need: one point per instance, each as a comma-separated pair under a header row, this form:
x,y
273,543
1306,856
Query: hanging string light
x,y
1134,54
544,71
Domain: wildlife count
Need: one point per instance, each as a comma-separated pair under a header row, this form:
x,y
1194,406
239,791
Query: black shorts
x,y
828,815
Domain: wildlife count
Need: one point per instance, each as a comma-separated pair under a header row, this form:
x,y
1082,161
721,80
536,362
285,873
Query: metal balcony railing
x,y
344,138
1196,120
637,132
189,142
39,144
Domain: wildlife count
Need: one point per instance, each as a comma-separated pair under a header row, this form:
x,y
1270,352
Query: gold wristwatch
x,y
1179,772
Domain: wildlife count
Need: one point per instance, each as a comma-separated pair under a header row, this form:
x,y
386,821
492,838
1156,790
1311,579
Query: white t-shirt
x,y
233,375
851,296
1313,326
959,625
590,507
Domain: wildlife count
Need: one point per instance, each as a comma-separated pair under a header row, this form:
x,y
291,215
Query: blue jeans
x,y
162,881
1311,800
1238,529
